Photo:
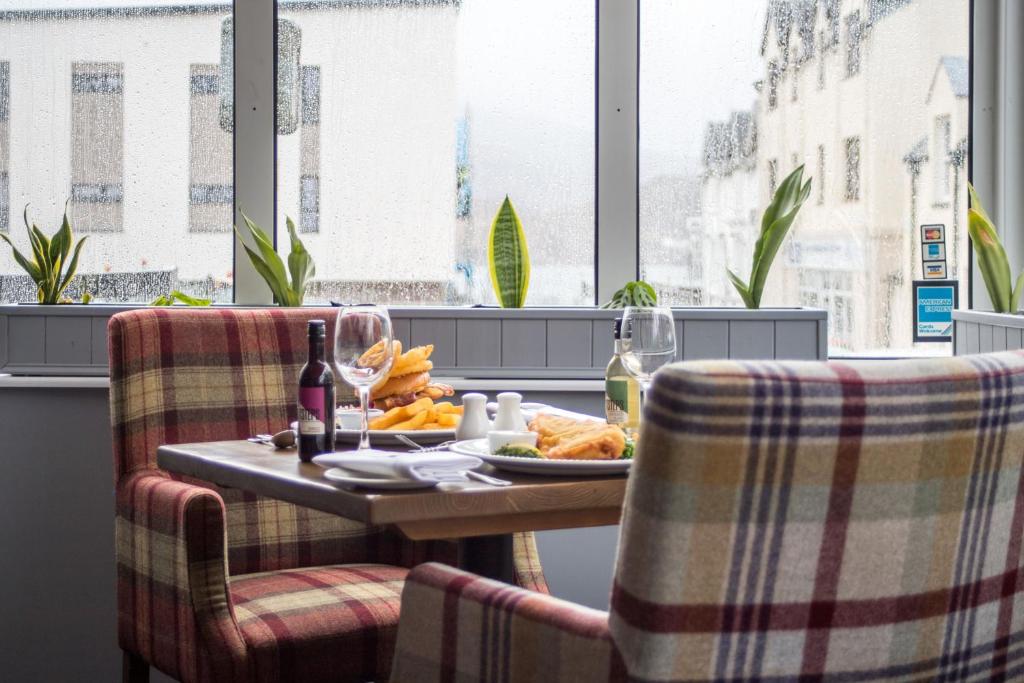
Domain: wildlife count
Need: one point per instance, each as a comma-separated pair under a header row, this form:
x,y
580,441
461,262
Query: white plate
x,y
343,477
386,437
555,468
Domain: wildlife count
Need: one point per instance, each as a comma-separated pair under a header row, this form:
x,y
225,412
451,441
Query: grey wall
x,y
56,535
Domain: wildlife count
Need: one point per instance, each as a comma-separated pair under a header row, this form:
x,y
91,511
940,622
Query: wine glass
x,y
648,341
363,354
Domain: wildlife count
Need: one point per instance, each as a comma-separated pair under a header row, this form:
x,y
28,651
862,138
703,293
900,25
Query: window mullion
x,y
617,258
254,164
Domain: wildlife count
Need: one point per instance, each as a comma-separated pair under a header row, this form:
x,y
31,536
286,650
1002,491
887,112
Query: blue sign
x,y
934,303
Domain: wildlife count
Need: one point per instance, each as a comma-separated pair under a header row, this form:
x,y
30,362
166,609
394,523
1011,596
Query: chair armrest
x,y
172,577
458,626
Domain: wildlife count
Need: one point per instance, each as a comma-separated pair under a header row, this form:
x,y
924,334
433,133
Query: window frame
x,y
617,102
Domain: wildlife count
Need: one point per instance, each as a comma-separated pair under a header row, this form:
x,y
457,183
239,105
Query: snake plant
x,y
992,261
637,293
271,268
178,296
775,224
508,257
50,268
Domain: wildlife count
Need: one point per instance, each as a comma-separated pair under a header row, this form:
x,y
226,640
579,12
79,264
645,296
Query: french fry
x,y
444,407
431,425
393,416
413,360
415,422
447,420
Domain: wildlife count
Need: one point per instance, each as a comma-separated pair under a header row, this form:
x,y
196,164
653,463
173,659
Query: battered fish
x,y
563,438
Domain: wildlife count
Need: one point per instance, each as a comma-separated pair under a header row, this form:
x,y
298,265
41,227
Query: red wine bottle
x,y
316,398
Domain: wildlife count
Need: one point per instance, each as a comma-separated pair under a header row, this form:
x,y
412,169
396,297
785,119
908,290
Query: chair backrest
x,y
188,375
856,520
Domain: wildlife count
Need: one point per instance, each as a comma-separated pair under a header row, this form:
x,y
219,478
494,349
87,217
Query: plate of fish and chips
x,y
566,446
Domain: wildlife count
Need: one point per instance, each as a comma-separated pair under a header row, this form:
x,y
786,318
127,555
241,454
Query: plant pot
x,y
471,342
984,331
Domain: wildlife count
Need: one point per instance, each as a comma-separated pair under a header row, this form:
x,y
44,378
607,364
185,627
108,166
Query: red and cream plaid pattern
x,y
181,376
457,627
783,521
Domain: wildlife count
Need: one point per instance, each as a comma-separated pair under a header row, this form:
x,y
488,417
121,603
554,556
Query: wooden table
x,y
481,517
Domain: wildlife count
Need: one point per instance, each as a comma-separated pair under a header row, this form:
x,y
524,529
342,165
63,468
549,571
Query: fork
x,y
423,449
449,476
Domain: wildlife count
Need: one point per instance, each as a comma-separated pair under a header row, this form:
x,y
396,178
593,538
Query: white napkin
x,y
391,465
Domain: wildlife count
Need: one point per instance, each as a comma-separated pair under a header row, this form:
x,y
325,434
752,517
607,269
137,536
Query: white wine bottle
x,y
621,390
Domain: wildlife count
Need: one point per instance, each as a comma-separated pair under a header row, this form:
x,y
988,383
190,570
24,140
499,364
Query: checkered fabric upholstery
x,y
789,521
180,376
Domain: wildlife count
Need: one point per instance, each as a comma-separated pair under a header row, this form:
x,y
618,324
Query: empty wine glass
x,y
363,354
648,341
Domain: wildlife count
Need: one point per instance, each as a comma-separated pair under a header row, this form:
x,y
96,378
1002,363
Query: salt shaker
x,y
510,415
474,423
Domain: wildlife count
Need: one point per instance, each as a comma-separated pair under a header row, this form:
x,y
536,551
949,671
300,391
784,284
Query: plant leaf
x,y
1015,297
300,264
72,266
742,288
270,256
508,257
992,261
775,225
28,266
267,274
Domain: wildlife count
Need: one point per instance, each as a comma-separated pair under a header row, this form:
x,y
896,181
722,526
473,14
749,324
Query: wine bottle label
x,y
616,400
311,410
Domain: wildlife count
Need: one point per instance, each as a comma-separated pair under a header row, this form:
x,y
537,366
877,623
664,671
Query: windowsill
x,y
458,383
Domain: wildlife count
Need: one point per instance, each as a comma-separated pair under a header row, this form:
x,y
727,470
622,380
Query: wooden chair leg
x,y
134,668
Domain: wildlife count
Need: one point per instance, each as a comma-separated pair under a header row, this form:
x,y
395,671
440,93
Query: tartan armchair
x,y
219,585
783,521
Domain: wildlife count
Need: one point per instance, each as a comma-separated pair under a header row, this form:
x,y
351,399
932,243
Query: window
x,y
852,147
113,104
773,84
943,149
97,146
819,177
413,190
5,146
309,192
702,193
211,194
853,38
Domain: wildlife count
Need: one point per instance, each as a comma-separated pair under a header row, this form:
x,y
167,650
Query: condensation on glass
x,y
113,107
416,119
870,95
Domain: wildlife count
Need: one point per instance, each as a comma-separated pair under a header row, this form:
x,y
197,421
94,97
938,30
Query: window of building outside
x,y
852,147
101,109
943,140
309,190
211,192
853,40
705,171
820,175
773,176
419,146
97,145
5,146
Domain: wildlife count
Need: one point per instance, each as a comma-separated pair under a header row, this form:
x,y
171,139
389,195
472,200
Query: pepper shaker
x,y
510,414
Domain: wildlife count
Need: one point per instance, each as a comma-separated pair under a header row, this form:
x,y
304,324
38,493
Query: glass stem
x,y
364,422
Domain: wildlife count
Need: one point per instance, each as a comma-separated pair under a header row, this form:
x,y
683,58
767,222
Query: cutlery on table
x,y
423,449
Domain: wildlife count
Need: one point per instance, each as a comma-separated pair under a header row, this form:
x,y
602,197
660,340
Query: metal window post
x,y
617,244
255,165
997,126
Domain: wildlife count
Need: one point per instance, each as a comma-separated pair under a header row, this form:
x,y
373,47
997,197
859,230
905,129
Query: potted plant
x,y
53,261
1003,327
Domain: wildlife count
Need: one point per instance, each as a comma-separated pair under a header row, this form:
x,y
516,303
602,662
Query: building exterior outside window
x,y
773,176
854,29
309,163
852,147
211,192
5,146
97,146
942,149
819,176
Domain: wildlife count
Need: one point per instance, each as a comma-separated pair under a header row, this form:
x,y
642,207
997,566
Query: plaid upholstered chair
x,y
217,585
784,521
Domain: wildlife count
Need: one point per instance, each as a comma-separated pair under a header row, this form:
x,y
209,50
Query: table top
x,y
451,510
